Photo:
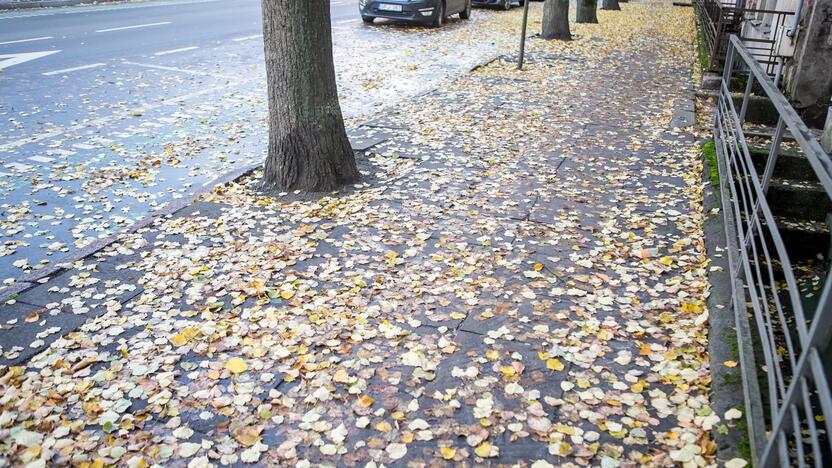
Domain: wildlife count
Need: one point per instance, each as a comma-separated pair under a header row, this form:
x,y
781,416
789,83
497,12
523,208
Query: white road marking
x,y
19,167
176,51
246,38
41,159
136,26
83,146
42,38
17,59
175,69
69,70
61,152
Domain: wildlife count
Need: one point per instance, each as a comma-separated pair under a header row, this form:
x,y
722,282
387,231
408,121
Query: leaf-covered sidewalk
x,y
519,280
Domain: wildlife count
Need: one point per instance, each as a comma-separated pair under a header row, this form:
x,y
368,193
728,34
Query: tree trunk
x,y
556,20
586,11
308,145
610,5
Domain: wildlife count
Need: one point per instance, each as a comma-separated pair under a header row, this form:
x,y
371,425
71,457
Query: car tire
x,y
466,13
506,4
439,15
368,19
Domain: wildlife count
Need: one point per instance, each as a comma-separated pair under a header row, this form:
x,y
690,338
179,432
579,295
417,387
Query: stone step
x,y
799,199
791,164
804,239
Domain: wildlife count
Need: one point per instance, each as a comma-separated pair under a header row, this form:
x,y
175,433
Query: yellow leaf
x,y
286,294
508,371
730,363
554,364
185,336
259,351
366,401
236,365
341,376
691,307
667,261
384,426
645,350
448,453
248,435
483,450
492,355
538,266
457,315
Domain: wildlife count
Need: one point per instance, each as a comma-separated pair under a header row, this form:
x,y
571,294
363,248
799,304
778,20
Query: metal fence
x,y
783,342
717,21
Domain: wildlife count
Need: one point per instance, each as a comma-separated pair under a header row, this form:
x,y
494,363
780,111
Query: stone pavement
x,y
520,279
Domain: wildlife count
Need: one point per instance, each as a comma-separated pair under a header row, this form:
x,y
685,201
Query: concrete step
x,y
804,239
798,199
791,164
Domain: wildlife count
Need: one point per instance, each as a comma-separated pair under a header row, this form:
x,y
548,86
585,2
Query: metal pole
x,y
523,36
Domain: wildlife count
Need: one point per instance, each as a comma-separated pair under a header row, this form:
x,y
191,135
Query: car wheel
x,y
506,4
466,13
368,19
439,15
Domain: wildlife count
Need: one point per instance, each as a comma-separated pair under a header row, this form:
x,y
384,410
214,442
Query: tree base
x,y
310,160
557,37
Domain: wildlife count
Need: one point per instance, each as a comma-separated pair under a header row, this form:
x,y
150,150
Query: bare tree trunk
x,y
308,145
556,20
610,5
586,11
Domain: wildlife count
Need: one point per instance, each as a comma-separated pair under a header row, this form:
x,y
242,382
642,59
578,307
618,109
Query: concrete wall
x,y
810,83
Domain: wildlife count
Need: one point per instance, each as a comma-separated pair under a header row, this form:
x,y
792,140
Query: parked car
x,y
432,12
504,4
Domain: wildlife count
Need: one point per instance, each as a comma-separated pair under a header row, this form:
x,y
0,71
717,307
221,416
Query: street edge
x,y
33,4
726,382
32,279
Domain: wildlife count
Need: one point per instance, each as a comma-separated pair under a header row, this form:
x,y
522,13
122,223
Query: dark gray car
x,y
432,12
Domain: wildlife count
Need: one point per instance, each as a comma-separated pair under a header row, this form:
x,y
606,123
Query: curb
x,y
726,383
27,281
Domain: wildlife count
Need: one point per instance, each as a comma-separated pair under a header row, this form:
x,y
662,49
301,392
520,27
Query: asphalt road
x,y
88,36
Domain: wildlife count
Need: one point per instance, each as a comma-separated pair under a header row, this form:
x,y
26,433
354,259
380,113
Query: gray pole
x,y
523,35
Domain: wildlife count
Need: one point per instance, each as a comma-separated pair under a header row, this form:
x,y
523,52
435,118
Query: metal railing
x,y
783,343
717,21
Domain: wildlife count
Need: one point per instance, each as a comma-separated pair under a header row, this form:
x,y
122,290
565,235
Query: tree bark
x,y
556,20
308,145
587,11
610,5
